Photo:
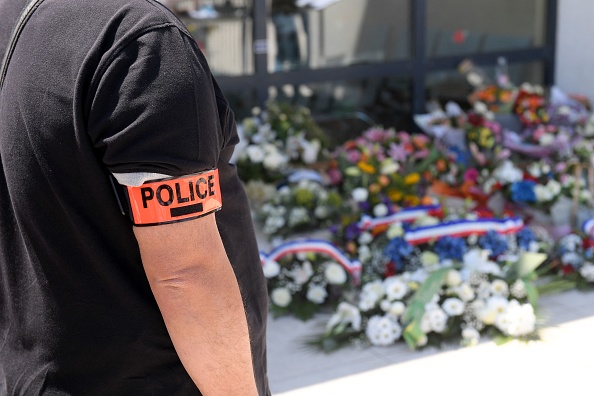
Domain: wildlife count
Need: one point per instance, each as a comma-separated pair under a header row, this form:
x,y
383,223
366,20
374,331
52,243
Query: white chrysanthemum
x,y
587,271
316,294
395,288
453,278
364,253
453,306
543,194
255,154
365,238
465,292
281,297
397,308
360,194
429,259
380,210
477,260
335,274
271,268
422,341
321,212
517,319
499,288
298,215
367,301
382,331
470,336
301,274
554,187
395,230
518,289
438,320
389,167
377,287
348,314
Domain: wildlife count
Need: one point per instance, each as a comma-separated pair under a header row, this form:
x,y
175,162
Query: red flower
x,y
567,269
390,269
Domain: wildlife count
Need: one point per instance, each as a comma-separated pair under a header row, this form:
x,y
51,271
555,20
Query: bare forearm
x,y
205,317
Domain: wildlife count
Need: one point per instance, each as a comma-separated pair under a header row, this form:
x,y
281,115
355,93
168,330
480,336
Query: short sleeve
x,y
154,109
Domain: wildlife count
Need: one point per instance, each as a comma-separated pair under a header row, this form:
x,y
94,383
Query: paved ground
x,y
561,364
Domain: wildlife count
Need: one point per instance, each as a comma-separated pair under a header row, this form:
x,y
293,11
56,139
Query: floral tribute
x,y
449,288
280,137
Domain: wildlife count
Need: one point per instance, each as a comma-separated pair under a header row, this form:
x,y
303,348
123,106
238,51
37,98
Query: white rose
x,y
271,268
281,297
360,194
380,210
335,274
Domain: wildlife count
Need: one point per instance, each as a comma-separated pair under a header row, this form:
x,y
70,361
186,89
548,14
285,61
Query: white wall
x,y
574,71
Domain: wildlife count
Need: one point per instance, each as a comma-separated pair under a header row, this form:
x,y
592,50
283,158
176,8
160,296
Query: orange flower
x,y
411,200
374,188
412,178
441,165
384,180
365,167
426,200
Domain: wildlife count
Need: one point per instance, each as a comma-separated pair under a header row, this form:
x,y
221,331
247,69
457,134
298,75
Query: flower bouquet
x,y
454,288
302,282
297,207
281,136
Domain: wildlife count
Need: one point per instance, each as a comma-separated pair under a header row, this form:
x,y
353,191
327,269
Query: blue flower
x,y
398,250
494,242
450,248
352,231
525,237
523,191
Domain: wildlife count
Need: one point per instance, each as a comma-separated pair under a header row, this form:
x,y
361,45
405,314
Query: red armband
x,y
176,199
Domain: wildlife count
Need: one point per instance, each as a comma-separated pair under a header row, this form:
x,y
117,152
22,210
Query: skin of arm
x,y
199,298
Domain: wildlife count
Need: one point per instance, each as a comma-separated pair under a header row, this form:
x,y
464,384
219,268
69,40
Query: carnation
x,y
316,294
281,297
335,274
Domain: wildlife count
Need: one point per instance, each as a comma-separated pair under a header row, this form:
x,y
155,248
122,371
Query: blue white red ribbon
x,y
406,215
463,228
352,267
588,228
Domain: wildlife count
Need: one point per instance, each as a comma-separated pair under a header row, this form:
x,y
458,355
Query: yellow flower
x,y
412,200
412,178
365,167
395,195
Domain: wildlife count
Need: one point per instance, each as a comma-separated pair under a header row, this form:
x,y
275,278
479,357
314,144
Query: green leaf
x,y
532,294
424,294
527,263
412,334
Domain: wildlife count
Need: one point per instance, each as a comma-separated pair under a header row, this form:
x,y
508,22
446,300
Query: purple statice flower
x,y
523,191
353,156
494,242
376,135
397,152
450,248
398,250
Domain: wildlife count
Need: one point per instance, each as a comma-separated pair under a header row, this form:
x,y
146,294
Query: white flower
x,y
507,172
395,230
364,253
518,289
453,306
348,314
274,160
465,292
385,305
365,238
360,194
321,212
554,187
335,274
499,288
389,167
429,259
453,278
397,308
255,153
517,319
571,258
422,341
534,169
543,194
471,335
380,210
301,274
438,319
281,297
309,155
271,268
395,288
316,294
382,331
426,220
478,260
587,271
546,139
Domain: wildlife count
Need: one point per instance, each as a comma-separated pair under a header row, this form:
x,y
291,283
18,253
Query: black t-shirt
x,y
93,88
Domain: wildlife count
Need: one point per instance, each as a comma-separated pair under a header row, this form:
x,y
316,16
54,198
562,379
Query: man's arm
x,y
198,295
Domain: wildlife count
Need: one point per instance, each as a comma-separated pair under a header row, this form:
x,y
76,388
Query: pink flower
x,y
471,175
353,156
397,152
376,135
335,176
